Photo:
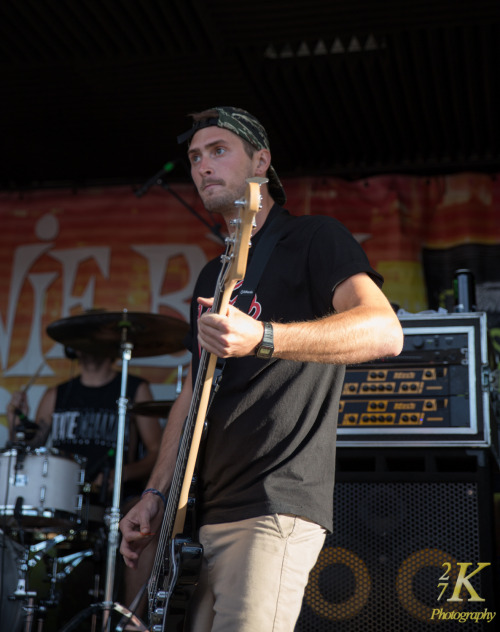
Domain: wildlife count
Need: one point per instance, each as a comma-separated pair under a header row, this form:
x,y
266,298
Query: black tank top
x,y
85,420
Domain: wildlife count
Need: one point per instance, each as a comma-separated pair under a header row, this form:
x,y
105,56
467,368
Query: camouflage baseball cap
x,y
246,126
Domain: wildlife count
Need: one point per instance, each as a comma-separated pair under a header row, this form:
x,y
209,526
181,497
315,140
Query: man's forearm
x,y
161,476
358,335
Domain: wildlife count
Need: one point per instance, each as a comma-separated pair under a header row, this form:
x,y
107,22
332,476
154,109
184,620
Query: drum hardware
x,y
95,593
30,610
93,611
58,570
43,547
53,599
37,503
114,512
112,334
21,594
70,562
55,576
39,478
105,334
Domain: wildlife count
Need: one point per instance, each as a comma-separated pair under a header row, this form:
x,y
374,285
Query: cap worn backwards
x,y
247,127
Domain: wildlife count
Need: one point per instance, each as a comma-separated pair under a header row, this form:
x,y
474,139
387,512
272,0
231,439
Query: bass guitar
x,y
178,557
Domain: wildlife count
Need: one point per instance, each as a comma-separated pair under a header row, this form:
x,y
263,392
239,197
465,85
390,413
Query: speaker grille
x,y
381,567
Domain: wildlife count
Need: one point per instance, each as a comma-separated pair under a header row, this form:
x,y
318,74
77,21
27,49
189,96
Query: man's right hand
x,y
139,527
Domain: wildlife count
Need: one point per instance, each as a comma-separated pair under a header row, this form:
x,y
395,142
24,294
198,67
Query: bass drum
x,y
11,611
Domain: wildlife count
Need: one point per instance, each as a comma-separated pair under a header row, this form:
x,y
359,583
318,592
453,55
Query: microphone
x,y
157,178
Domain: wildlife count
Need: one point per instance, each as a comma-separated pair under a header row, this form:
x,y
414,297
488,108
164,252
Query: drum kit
x,y
43,493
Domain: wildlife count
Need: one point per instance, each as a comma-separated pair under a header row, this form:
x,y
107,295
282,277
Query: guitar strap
x,y
259,260
253,275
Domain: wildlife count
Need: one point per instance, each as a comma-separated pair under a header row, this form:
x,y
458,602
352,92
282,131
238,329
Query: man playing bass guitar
x,y
266,478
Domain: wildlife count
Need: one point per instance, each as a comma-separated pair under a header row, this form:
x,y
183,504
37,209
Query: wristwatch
x,y
265,348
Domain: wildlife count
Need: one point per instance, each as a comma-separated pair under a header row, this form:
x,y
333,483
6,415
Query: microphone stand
x,y
214,228
159,179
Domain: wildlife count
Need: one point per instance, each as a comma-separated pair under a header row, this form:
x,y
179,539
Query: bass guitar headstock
x,y
240,239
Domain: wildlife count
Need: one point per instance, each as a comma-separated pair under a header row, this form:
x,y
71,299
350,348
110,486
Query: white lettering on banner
x,y
158,257
25,257
71,260
33,356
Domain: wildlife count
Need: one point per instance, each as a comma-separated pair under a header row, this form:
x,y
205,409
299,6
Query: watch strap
x,y
265,348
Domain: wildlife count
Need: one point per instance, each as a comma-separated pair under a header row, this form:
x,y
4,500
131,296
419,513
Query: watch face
x,y
265,352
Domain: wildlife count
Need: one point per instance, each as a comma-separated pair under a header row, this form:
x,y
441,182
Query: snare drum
x,y
41,488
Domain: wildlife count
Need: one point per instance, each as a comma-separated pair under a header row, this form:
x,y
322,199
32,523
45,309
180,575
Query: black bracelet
x,y
152,490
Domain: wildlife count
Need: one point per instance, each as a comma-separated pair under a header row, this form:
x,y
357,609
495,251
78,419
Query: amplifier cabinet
x,y
401,518
435,393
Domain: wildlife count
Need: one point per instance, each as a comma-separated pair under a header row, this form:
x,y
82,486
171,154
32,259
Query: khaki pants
x,y
254,574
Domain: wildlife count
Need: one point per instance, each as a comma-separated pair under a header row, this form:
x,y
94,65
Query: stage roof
x,y
96,91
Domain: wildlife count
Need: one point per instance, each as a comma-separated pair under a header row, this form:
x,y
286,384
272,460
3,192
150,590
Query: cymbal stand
x,y
114,511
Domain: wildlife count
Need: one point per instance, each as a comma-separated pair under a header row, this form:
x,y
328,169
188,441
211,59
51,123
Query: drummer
x,y
81,417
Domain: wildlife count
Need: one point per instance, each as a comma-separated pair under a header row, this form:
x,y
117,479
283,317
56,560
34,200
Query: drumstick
x,y
17,411
33,378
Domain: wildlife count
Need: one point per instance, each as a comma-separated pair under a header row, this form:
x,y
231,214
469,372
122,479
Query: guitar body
x,y
182,567
178,557
171,606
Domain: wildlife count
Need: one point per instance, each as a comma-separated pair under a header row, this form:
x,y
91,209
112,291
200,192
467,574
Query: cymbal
x,y
155,408
102,333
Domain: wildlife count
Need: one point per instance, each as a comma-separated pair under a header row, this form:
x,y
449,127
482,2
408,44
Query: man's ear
x,y
262,159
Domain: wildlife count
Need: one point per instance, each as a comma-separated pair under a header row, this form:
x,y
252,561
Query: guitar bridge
x,y
172,601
